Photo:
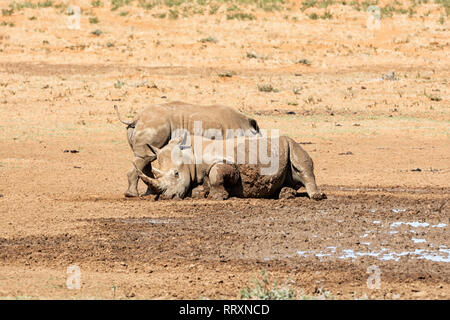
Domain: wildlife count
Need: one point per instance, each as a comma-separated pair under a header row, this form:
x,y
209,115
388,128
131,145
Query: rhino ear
x,y
181,141
177,140
153,152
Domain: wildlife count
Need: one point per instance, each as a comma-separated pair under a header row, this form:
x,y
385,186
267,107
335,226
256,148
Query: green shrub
x,y
266,88
93,20
97,32
240,16
96,3
263,290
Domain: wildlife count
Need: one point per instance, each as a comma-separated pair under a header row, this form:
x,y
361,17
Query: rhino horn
x,y
157,171
153,184
154,151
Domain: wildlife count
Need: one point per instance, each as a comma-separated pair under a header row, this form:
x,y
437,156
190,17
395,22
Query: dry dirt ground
x,y
380,143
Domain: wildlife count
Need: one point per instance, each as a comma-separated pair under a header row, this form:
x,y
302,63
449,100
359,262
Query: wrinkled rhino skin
x,y
228,178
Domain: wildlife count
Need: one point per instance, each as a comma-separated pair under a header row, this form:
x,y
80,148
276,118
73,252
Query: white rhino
x,y
157,124
246,167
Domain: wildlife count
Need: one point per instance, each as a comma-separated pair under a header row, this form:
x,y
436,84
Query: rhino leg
x,y
303,170
133,177
221,176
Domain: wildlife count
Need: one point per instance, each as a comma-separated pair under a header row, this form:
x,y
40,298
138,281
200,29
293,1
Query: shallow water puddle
x,y
442,255
436,253
414,224
398,210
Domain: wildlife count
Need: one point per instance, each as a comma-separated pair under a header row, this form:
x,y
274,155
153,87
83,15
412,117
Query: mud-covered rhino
x,y
157,124
246,167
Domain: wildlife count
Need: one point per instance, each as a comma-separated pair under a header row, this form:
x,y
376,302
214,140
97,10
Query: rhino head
x,y
172,169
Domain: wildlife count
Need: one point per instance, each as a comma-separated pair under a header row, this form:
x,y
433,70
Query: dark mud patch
x,y
340,235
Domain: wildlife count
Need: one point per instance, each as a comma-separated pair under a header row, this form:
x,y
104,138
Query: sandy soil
x,y
366,133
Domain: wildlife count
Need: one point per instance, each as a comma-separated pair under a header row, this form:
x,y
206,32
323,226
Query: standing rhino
x,y
250,167
157,124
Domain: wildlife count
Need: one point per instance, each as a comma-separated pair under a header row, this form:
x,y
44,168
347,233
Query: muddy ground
x,y
380,143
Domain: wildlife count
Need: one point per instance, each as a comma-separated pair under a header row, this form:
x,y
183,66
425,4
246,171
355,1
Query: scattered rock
x,y
416,170
199,192
389,76
71,151
348,153
227,74
290,112
76,167
305,62
287,193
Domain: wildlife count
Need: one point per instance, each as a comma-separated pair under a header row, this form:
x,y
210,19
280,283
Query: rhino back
x,y
152,127
218,117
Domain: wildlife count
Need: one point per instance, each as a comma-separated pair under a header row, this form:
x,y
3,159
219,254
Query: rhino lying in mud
x,y
245,167
157,124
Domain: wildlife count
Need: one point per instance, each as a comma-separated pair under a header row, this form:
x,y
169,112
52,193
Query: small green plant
x,y
324,4
326,15
116,4
97,32
119,84
264,290
7,13
19,6
306,62
266,88
109,44
96,3
233,8
240,16
227,74
308,4
124,13
252,55
208,39
314,16
93,20
147,5
173,14
45,4
4,23
159,15
445,4
213,9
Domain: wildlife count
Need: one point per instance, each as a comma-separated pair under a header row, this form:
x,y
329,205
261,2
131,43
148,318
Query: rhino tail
x,y
128,123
